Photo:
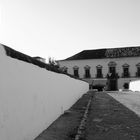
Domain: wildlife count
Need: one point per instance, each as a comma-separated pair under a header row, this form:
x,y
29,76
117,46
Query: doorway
x,y
113,84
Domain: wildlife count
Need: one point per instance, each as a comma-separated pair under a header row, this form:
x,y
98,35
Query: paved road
x,y
129,99
110,120
107,120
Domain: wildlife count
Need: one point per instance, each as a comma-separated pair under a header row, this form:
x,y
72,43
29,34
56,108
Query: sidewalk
x,y
107,120
65,127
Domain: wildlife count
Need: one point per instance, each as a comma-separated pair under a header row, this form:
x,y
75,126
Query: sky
x,y
62,28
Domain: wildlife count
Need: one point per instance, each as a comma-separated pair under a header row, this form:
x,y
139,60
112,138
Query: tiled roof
x,y
107,53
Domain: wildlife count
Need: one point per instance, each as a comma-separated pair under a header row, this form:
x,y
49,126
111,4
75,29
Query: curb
x,y
82,125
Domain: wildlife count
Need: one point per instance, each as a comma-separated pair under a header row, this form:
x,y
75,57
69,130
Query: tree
x,y
53,63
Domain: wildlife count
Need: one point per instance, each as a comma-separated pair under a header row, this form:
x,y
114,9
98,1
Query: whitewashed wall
x,y
31,98
135,85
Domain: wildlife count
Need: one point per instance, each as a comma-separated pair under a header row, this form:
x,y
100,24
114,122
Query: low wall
x,y
135,85
31,98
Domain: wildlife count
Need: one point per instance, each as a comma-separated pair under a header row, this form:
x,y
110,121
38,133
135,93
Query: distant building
x,y
112,69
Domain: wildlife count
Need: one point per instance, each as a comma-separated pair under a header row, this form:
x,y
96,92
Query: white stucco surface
x,y
31,98
135,85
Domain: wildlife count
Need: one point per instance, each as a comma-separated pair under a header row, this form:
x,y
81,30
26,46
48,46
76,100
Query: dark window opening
x,y
76,73
138,72
87,73
125,72
99,73
112,70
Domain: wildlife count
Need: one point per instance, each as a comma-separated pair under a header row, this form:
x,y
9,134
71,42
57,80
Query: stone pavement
x,y
101,119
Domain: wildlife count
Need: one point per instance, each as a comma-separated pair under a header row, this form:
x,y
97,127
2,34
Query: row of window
x,y
112,70
87,73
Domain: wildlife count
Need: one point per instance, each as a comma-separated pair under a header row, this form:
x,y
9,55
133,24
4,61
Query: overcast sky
x,y
61,28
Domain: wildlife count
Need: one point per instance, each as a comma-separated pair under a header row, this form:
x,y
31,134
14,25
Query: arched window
x,y
76,71
112,67
87,71
125,70
99,71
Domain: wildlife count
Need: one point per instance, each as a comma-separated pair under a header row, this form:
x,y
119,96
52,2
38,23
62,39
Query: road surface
x,y
128,99
107,118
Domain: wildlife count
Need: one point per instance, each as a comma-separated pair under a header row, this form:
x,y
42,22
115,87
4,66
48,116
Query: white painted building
x,y
112,69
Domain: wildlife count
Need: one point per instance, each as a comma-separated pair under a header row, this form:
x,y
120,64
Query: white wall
x,y
135,85
31,98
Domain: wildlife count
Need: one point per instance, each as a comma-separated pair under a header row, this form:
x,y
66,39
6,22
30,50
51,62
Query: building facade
x,y
111,69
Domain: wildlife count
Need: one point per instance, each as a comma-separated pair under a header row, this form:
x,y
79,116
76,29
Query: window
x,y
125,70
99,71
112,70
76,71
138,70
87,71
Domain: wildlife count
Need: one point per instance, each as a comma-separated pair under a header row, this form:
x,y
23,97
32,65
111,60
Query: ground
x,y
107,119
